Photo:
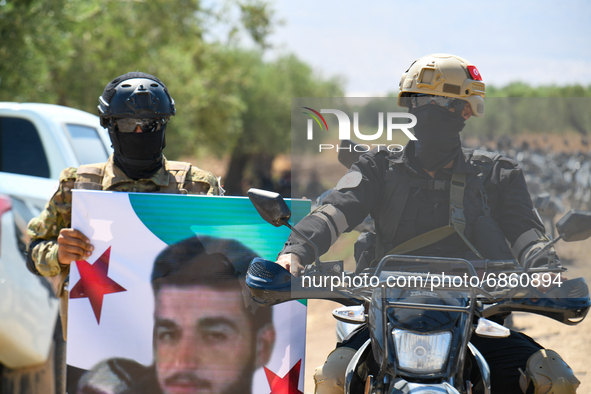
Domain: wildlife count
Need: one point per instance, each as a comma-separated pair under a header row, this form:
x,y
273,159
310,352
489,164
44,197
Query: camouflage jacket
x,y
44,229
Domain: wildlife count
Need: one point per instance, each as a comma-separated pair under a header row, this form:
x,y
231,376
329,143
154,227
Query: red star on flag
x,y
94,283
287,384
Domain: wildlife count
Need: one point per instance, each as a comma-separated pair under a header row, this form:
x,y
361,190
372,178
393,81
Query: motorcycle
x,y
419,323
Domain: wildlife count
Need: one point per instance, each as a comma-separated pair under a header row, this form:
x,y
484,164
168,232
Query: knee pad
x,y
330,377
548,373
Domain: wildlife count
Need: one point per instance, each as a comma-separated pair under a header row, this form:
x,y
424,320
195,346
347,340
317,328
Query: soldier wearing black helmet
x,y
135,108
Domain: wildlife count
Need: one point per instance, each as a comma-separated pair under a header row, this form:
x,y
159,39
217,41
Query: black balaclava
x,y
438,135
139,155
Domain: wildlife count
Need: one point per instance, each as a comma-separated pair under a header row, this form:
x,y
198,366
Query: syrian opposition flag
x,y
111,302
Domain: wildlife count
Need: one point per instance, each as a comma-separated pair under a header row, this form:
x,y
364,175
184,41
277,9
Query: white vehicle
x,y
37,141
29,309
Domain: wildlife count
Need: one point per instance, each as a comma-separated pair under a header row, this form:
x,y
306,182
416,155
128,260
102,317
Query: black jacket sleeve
x,y
354,196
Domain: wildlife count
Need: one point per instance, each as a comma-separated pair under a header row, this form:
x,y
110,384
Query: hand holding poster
x,y
158,307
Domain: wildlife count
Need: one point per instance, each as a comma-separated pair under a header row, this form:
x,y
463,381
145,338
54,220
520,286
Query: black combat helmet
x,y
135,95
131,100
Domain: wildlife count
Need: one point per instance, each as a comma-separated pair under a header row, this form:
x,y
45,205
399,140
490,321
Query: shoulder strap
x,y
90,176
422,240
485,160
178,171
457,221
456,208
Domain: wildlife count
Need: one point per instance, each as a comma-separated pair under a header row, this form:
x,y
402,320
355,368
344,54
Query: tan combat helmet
x,y
444,75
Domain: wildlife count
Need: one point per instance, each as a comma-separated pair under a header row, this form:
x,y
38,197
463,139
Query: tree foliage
x,y
228,98
520,108
521,89
267,93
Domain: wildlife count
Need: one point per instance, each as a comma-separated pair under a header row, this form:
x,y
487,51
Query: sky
x,y
372,43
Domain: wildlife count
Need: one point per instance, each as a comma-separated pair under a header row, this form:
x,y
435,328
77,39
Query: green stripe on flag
x,y
173,218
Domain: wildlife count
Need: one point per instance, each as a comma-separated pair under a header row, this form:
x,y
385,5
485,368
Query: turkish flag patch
x,y
474,73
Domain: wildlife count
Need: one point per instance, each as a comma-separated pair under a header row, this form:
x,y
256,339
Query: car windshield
x,y
87,144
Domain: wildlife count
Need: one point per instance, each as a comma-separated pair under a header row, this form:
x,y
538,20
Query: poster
x,y
112,326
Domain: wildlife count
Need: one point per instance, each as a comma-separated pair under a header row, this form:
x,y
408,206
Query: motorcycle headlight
x,y
421,353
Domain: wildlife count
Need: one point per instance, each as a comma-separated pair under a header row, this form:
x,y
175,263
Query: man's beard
x,y
244,381
242,384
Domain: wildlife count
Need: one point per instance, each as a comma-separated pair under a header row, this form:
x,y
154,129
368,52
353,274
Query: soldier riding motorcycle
x,y
434,199
420,330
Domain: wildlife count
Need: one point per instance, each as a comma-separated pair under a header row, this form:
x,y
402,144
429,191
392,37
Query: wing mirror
x,y
574,226
271,206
